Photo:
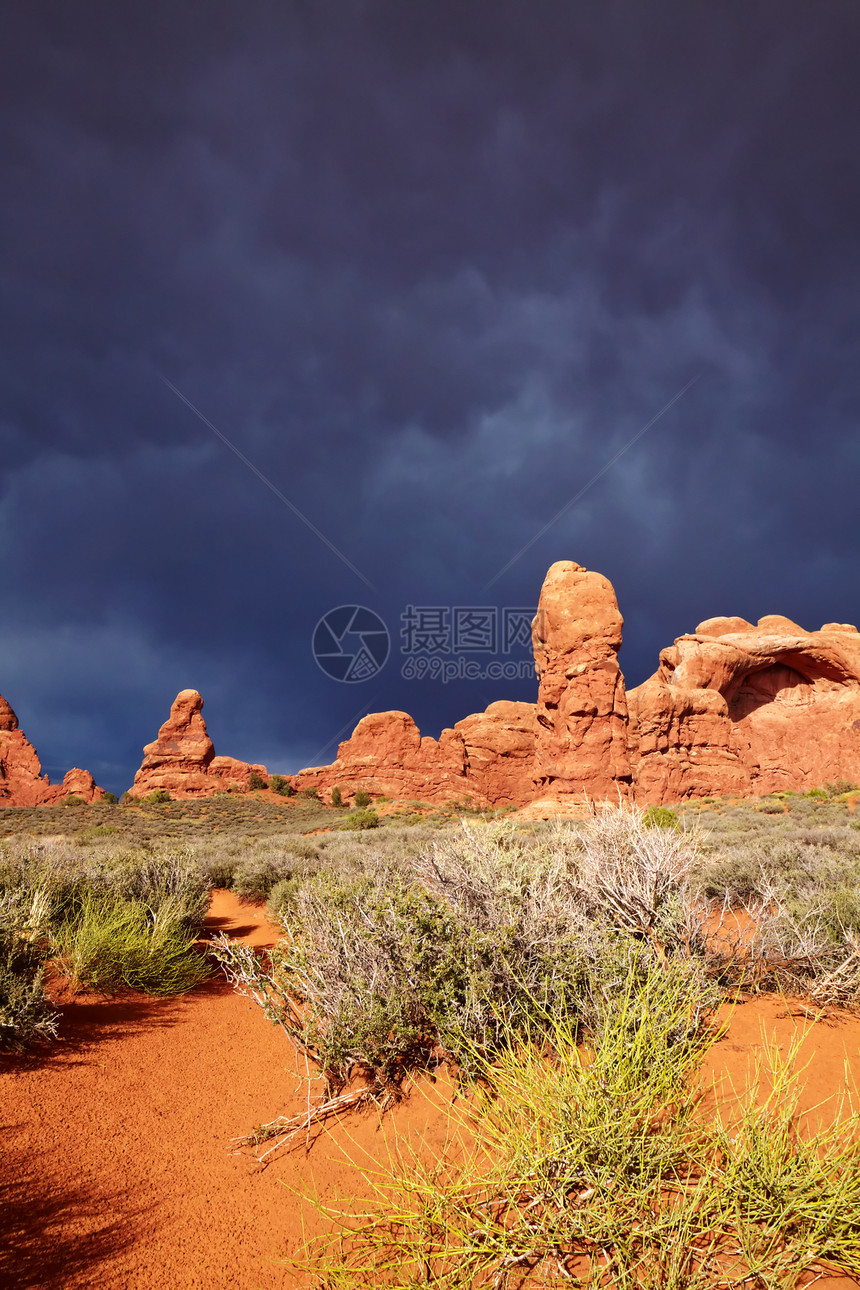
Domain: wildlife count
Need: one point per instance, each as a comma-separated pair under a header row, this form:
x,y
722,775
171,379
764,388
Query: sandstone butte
x,y
182,759
733,709
21,780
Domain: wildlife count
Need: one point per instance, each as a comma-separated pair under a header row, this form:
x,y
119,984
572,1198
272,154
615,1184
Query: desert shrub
x,y
483,934
73,800
170,883
26,1014
634,876
357,820
282,898
336,796
281,786
310,794
256,780
94,834
110,799
362,799
158,797
817,794
838,787
732,876
661,817
305,848
258,872
112,942
219,870
799,885
597,1169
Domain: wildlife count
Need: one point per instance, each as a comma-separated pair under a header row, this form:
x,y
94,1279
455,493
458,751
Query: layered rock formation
x,y
739,709
733,709
488,757
581,746
21,780
182,759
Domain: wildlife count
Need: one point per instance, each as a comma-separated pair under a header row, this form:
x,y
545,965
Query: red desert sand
x,y
115,1164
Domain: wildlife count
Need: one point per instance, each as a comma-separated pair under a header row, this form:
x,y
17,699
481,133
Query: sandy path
x,y
114,1169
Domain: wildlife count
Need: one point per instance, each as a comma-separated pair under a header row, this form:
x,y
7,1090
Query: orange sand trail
x,y
114,1168
114,1163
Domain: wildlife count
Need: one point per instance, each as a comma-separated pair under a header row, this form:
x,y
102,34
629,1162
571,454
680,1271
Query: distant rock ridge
x,y
733,709
182,759
21,780
488,758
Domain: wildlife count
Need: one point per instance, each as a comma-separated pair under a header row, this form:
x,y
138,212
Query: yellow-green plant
x,y
599,1167
110,942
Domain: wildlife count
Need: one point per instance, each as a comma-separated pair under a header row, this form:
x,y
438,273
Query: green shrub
x,y
170,883
110,799
158,797
661,817
362,799
336,796
817,794
358,820
73,800
310,794
837,788
281,786
282,900
256,875
220,870
94,834
113,942
256,781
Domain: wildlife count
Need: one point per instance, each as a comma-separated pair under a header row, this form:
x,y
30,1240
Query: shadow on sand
x,y
50,1236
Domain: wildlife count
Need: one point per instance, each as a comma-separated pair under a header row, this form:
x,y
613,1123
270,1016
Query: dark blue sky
x,y
429,266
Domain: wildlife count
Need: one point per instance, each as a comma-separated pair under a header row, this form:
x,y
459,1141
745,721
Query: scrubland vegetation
x,y
568,973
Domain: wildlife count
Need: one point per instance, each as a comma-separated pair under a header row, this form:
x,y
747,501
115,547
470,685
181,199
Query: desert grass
x,y
596,1166
107,918
111,943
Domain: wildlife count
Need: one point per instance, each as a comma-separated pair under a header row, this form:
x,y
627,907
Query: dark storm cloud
x,y
429,266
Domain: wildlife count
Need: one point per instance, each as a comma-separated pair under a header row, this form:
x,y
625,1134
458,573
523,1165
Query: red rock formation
x,y
487,757
21,780
182,759
228,771
732,709
581,709
80,783
500,751
738,710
